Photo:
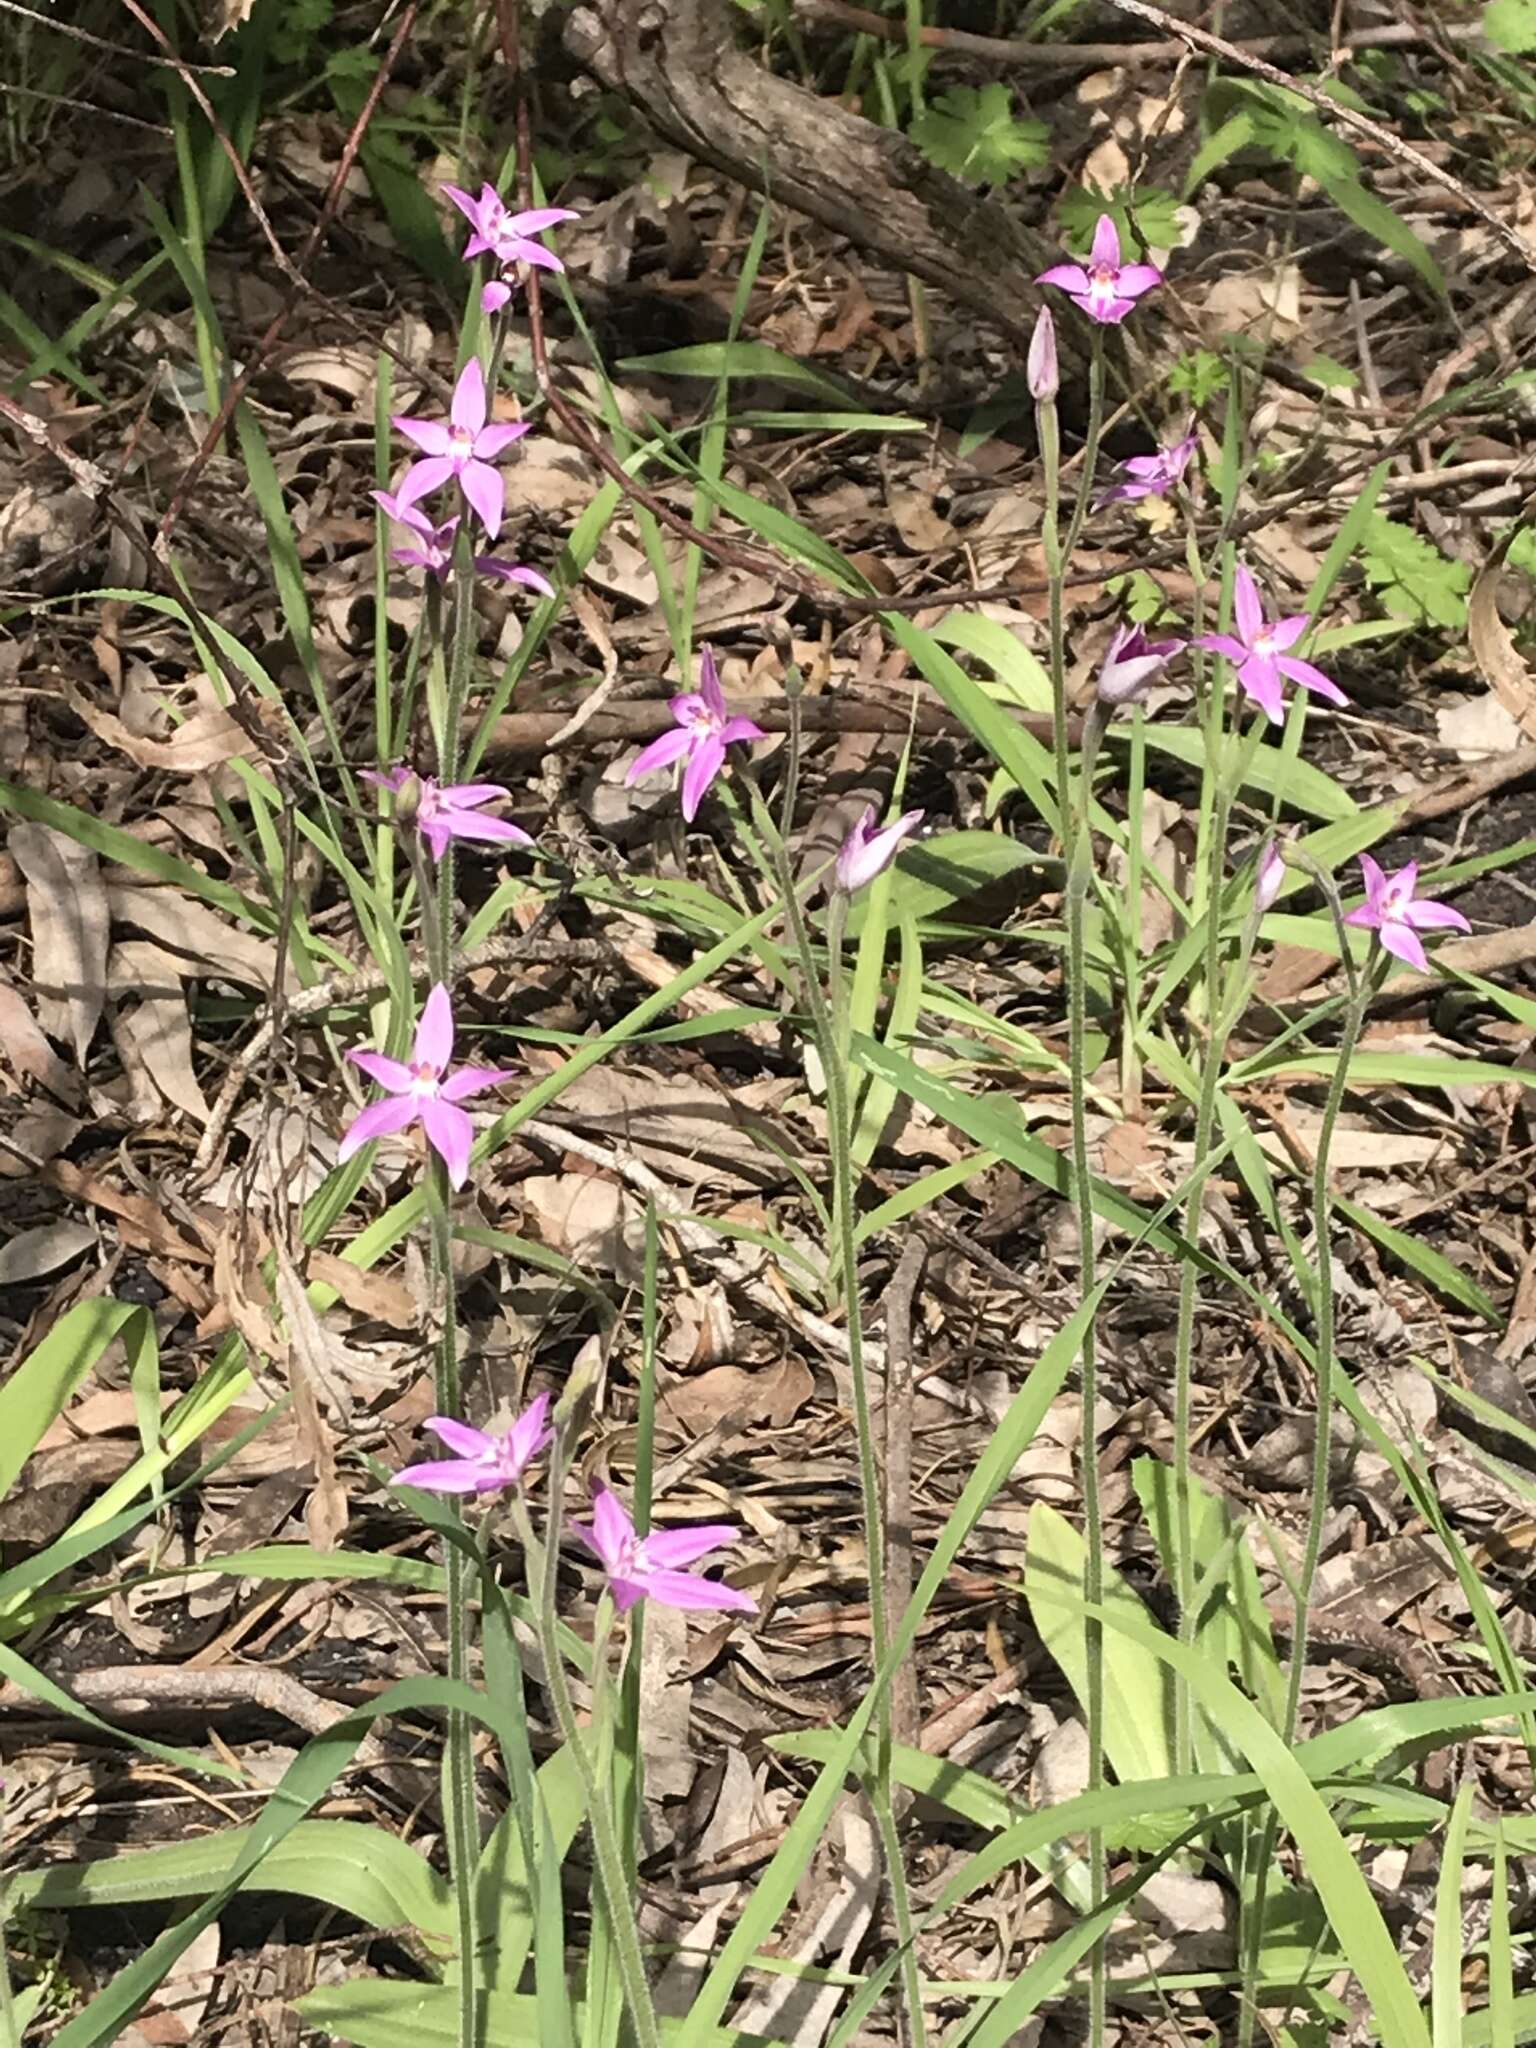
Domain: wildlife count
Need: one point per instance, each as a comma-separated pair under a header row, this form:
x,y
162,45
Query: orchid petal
x,y
1247,605
486,492
1136,278
452,1475
498,435
1435,917
378,1066
1310,678
709,685
450,1134
467,409
1404,943
612,1528
494,294
689,1593
661,753
434,1034
1106,244
430,436
426,476
467,1081
1071,277
460,1437
1284,633
673,1548
538,218
378,1120
736,731
705,763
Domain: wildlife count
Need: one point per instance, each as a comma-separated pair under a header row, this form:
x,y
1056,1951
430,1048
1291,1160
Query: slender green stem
x,y
10,2033
1189,1282
826,1018
606,1849
1362,987
459,1763
1077,848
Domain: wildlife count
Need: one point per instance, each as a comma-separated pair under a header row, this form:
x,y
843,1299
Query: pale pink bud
x,y
1270,876
1041,368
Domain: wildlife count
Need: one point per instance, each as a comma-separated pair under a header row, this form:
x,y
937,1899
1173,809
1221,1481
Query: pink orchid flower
x,y
422,1090
461,450
504,235
1152,476
1258,649
650,1567
448,811
486,1461
704,729
435,554
1107,289
865,853
1131,663
1391,911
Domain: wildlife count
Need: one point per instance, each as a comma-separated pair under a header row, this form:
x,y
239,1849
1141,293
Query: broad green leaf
x,y
728,359
1445,2004
361,1870
934,873
1511,25
373,2013
1138,1692
36,1393
1021,673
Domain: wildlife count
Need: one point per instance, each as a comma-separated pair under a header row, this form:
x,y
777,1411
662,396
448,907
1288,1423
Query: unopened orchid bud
x,y
1131,663
1270,877
1042,370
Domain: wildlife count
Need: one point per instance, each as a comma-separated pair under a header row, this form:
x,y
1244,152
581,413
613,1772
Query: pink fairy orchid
x,y
704,729
1131,663
487,1460
650,1567
445,812
507,236
435,554
1107,289
1152,476
1392,912
422,1090
865,853
1258,650
461,450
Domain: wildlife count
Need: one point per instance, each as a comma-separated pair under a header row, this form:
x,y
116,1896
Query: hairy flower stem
x,y
459,1760
1362,987
833,1053
606,1850
1189,1282
1077,852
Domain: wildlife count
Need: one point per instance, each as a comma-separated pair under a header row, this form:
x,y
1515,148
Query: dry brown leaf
x,y
142,1223
314,1352
377,1295
202,741
37,1136
593,1222
731,1393
154,1035
68,908
33,1254
193,931
30,1055
1494,650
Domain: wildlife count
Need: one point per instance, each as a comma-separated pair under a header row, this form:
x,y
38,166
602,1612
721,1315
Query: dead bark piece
x,y
679,60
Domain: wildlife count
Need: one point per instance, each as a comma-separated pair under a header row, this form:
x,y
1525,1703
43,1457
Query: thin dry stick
x,y
240,384
1335,110
905,1718
80,35
1010,51
371,980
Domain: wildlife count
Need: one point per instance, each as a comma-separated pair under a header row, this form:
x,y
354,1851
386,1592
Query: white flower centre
x,y
1264,645
425,1078
461,440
